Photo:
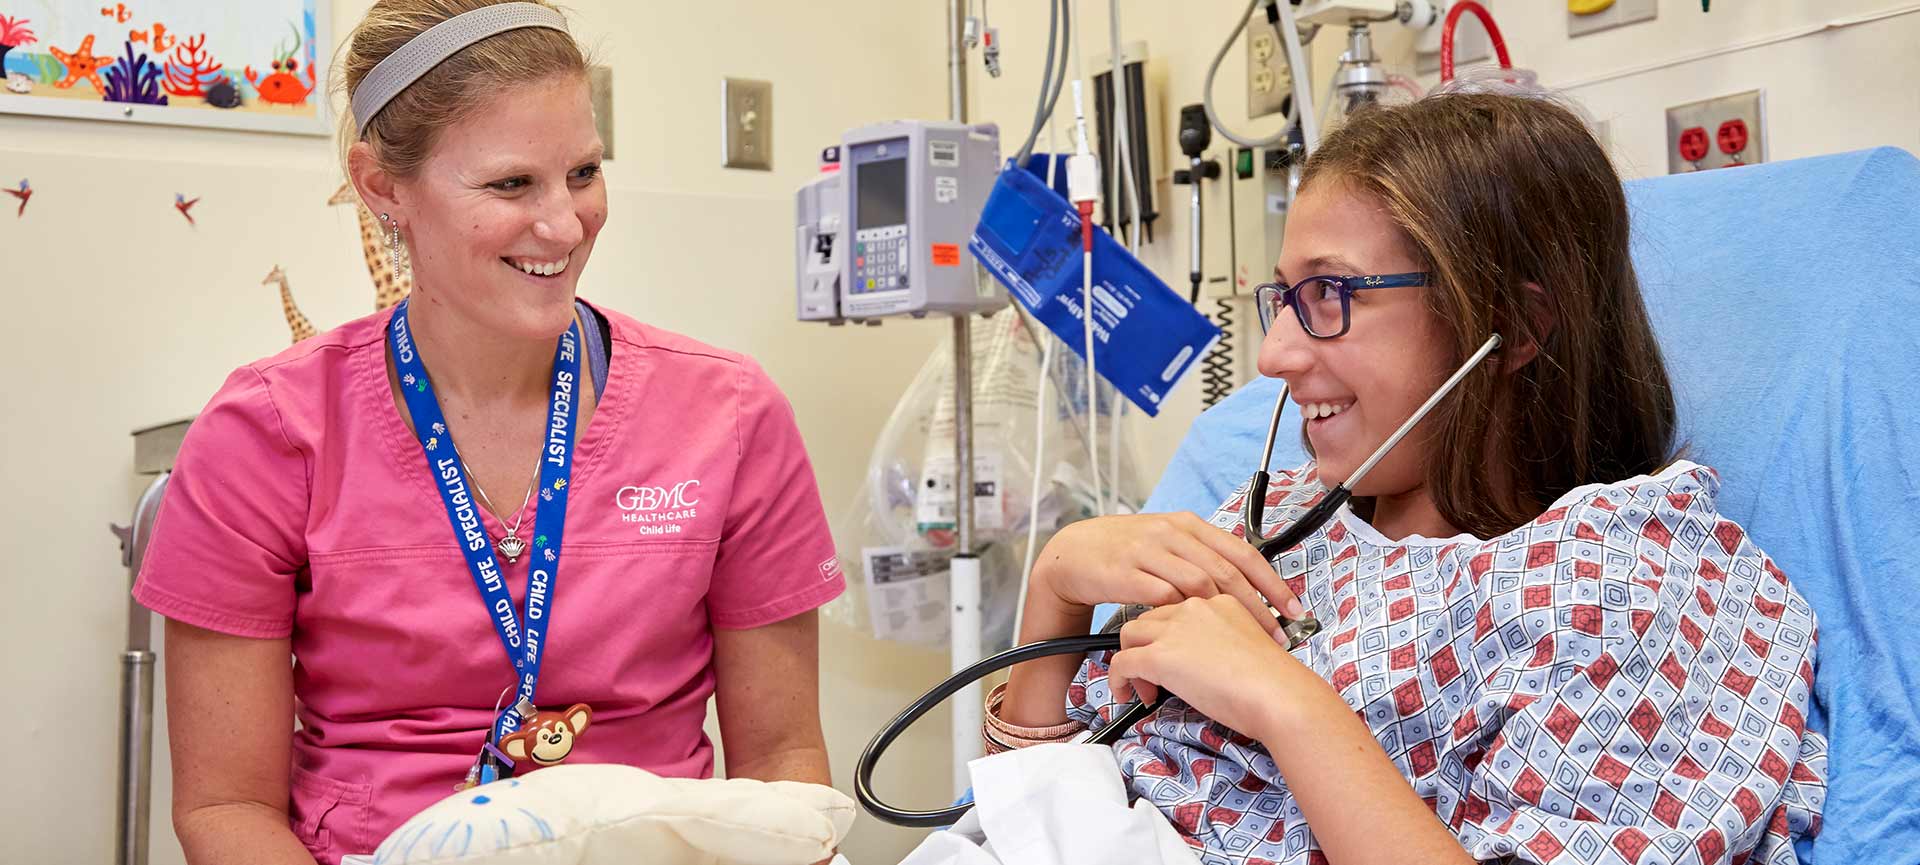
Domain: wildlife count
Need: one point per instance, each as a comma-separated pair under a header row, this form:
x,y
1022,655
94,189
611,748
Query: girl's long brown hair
x,y
1497,194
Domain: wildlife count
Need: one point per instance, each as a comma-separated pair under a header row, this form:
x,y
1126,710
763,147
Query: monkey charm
x,y
547,737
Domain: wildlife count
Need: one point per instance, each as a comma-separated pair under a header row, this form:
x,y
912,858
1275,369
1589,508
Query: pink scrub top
x,y
301,506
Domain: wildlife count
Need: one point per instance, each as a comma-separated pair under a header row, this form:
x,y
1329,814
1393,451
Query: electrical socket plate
x,y
1621,13
746,123
1717,133
1268,80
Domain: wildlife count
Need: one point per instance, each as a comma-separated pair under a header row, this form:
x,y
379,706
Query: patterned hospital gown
x,y
1623,680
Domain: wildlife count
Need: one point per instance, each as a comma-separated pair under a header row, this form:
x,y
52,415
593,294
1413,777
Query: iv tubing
x,y
1085,209
1039,433
1122,130
1128,175
1206,92
1446,36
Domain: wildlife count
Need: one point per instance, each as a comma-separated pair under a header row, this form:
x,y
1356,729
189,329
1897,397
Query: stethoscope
x,y
1251,511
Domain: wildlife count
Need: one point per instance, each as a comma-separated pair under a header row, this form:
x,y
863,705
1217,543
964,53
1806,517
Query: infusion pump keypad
x,y
880,259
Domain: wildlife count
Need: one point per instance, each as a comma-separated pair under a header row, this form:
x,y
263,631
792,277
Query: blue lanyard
x,y
521,636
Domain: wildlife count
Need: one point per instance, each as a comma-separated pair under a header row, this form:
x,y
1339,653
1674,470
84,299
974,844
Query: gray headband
x,y
429,49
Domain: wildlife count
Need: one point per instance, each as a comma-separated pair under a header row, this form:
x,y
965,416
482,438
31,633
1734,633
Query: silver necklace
x,y
511,546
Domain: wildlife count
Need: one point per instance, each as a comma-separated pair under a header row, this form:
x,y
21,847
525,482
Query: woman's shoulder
x,y
688,358
630,331
321,356
295,390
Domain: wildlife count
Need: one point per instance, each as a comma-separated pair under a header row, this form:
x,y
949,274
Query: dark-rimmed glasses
x,y
1324,304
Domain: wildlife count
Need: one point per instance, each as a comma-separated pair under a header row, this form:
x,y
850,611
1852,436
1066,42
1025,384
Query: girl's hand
x,y
1221,661
1158,559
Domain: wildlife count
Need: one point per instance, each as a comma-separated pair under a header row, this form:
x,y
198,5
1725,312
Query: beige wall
x,y
120,316
1835,91
107,333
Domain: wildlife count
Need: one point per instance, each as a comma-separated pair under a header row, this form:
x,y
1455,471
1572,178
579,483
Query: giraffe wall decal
x,y
296,320
389,287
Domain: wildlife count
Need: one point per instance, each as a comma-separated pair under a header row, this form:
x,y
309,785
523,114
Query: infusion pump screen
x,y
880,259
883,193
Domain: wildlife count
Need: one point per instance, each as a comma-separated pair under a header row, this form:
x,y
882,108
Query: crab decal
x,y
283,87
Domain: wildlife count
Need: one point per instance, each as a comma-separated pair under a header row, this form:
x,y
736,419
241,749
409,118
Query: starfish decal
x,y
82,63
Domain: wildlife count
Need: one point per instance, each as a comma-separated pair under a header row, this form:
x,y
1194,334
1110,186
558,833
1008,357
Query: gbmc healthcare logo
x,y
659,510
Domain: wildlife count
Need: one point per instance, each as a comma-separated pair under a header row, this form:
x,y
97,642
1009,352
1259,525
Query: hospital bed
x,y
1786,298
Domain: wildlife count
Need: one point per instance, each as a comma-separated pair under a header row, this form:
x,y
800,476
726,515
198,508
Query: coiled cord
x,y
1217,375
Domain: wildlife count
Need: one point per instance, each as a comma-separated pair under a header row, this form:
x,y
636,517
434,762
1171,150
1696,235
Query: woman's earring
x,y
396,247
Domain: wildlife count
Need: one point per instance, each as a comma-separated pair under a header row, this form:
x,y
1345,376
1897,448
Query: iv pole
x,y
964,585
135,790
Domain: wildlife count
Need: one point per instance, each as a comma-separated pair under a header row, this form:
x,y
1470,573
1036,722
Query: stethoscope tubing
x,y
1315,517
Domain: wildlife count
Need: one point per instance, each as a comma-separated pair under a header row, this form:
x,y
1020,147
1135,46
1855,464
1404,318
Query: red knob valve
x,y
1693,144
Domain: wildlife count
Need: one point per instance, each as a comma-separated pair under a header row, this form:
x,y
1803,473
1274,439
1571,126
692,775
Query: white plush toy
x,y
599,814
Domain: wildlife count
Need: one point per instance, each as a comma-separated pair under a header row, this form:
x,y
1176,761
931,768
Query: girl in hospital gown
x,y
1625,679
1541,640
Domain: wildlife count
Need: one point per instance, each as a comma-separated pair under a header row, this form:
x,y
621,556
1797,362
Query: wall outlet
x,y
746,123
1620,13
1716,133
1269,82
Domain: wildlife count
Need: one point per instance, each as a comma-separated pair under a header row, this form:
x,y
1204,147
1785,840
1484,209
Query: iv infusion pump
x,y
886,233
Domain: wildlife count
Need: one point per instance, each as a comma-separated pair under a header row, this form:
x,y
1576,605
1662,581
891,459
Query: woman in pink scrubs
x,y
377,502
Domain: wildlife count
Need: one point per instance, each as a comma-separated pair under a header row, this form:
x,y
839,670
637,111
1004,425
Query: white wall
x,y
106,332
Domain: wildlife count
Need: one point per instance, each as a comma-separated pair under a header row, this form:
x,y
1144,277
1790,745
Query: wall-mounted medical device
x,y
1142,86
886,234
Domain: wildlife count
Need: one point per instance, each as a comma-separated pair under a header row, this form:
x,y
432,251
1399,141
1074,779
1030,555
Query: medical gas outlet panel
x,y
892,224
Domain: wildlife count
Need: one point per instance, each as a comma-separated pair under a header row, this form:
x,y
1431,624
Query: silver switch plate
x,y
746,123
1717,133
